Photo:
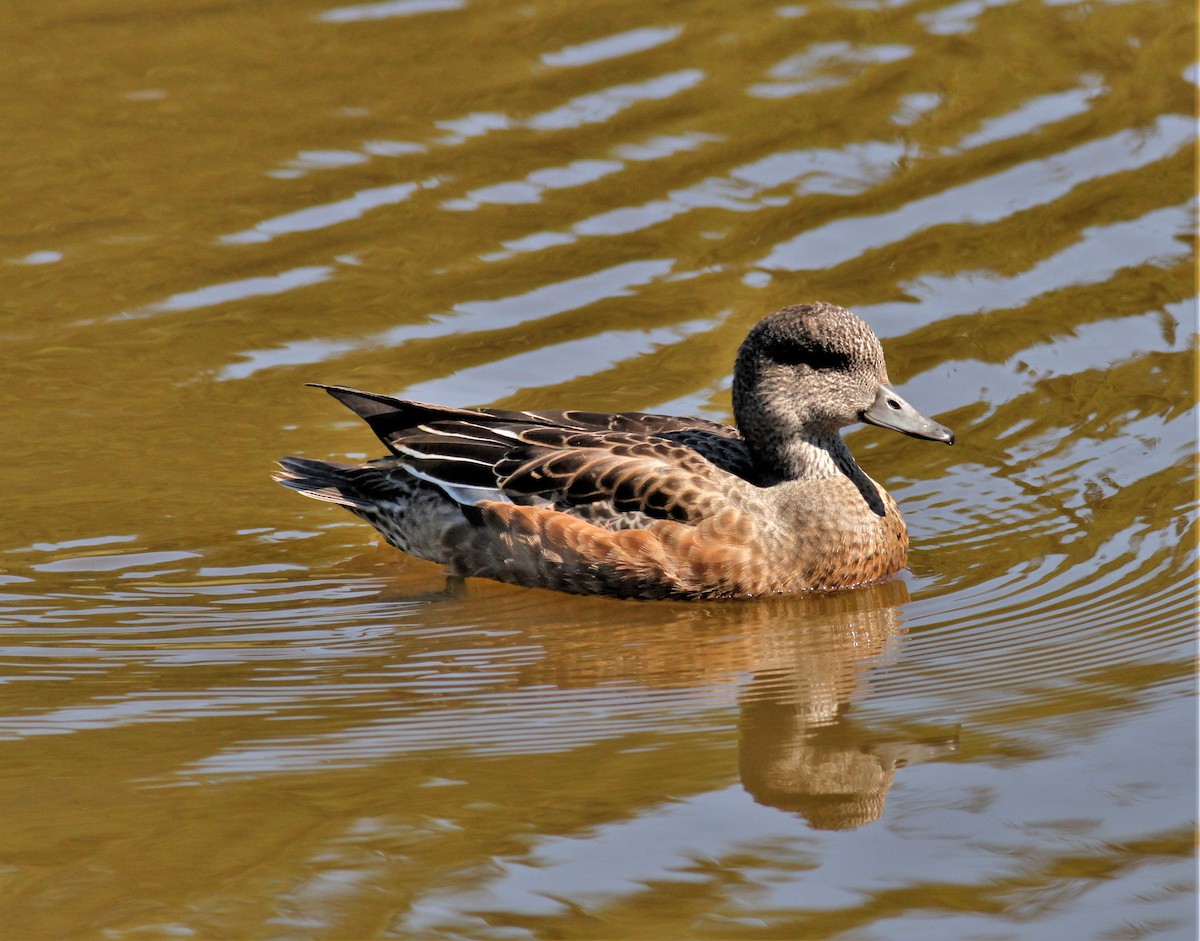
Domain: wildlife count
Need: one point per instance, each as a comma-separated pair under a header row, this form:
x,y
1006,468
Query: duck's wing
x,y
574,462
395,422
606,474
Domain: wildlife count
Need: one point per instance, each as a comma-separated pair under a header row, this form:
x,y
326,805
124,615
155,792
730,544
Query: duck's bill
x,y
889,410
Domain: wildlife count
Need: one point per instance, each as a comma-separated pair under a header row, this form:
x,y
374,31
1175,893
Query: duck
x,y
645,506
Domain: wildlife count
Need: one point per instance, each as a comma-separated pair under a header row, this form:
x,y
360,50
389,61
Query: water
x,y
227,712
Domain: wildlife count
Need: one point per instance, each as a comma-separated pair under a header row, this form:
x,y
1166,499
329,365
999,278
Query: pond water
x,y
226,711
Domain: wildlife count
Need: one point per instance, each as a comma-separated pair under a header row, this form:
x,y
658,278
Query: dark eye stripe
x,y
815,357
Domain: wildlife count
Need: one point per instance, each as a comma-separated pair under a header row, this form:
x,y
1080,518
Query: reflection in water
x,y
467,317
985,200
601,106
526,687
822,67
321,217
386,9
832,771
797,748
612,47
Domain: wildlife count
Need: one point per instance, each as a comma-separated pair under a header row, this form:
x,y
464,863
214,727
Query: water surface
x,y
228,712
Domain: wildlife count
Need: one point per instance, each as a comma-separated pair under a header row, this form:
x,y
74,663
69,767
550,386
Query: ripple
x,y
958,18
530,190
601,106
467,317
613,47
387,9
329,214
1098,254
1025,186
1035,114
551,364
229,291
825,66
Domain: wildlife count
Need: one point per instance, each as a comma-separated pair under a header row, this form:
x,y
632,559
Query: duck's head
x,y
808,371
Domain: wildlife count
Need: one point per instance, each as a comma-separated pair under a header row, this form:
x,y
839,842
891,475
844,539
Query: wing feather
x,y
590,464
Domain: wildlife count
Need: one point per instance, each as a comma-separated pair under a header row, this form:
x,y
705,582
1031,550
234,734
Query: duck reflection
x,y
795,667
834,772
798,748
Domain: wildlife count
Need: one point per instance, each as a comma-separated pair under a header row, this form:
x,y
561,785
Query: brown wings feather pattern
x,y
664,467
634,473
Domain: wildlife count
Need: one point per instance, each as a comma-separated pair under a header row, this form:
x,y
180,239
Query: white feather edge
x,y
459,493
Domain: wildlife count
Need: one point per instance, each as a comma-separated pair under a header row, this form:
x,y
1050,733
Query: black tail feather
x,y
389,416
324,480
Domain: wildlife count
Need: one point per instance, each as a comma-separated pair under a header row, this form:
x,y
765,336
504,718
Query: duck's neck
x,y
809,458
816,458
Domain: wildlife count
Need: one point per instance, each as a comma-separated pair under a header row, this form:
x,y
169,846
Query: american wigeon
x,y
635,505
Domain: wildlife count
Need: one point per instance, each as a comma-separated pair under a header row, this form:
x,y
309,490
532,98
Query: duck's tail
x,y
342,484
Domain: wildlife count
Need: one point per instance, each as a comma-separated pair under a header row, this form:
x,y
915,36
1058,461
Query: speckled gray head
x,y
810,370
